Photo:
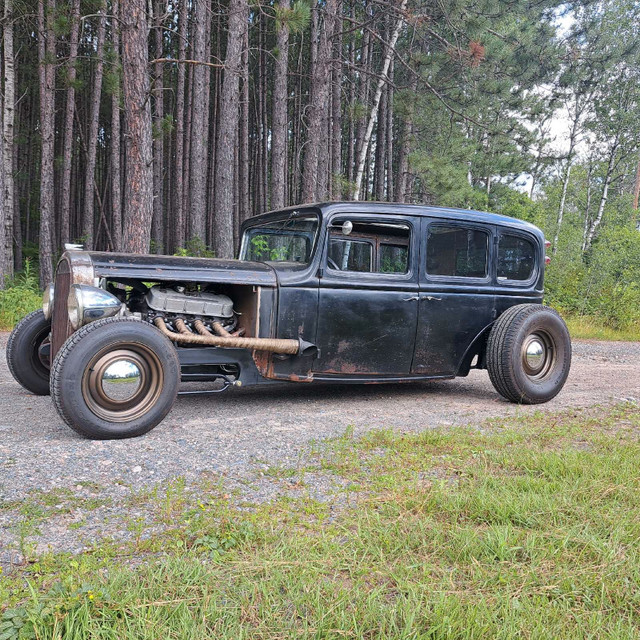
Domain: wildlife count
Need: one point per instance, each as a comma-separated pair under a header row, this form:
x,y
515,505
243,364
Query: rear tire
x,y
115,378
23,353
529,354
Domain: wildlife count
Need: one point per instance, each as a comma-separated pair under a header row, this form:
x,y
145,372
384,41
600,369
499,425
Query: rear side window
x,y
516,258
369,247
350,255
457,251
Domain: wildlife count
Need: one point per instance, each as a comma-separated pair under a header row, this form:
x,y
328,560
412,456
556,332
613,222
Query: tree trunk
x,y
8,115
178,191
46,57
389,142
17,220
364,81
244,199
376,100
402,183
279,122
227,135
116,177
335,191
318,98
4,267
587,208
199,127
563,199
380,156
92,142
157,225
573,138
264,119
603,198
69,110
138,211
351,140
636,189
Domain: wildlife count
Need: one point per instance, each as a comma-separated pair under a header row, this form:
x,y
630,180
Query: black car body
x,y
352,292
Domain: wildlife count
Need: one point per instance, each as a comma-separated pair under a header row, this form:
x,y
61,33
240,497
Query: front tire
x,y
115,378
529,354
25,357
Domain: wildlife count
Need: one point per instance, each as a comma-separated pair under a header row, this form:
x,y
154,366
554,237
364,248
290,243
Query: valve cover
x,y
193,303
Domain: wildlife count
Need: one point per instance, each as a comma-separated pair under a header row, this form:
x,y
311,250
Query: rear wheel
x,y
28,353
529,354
115,378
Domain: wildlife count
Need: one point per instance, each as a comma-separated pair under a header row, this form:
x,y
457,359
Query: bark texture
x,y
227,133
92,140
138,210
279,125
8,120
47,56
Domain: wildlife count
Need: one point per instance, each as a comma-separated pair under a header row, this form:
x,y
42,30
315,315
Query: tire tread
x,y
11,354
499,345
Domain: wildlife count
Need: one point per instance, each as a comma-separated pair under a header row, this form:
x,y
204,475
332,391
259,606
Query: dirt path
x,y
236,434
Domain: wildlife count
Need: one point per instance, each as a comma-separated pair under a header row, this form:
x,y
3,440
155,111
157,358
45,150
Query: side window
x,y
372,247
457,251
350,255
516,258
394,258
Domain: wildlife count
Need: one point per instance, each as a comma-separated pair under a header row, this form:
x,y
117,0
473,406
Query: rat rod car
x,y
337,292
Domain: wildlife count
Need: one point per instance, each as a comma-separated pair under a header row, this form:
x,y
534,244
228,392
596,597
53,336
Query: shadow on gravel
x,y
303,392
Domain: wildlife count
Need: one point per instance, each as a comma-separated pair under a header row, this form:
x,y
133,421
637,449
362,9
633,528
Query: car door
x,y
457,295
368,296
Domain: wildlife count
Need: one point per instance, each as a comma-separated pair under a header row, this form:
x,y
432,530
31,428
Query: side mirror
x,y
347,227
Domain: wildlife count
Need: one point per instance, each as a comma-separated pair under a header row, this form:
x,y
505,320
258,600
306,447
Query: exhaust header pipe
x,y
225,339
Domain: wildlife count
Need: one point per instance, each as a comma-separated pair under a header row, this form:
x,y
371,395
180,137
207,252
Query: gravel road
x,y
235,438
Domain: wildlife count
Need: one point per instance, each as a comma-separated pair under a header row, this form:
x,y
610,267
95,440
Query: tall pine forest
x,y
161,125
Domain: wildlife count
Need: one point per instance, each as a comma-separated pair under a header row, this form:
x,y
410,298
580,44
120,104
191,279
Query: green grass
x,y
21,296
527,528
589,328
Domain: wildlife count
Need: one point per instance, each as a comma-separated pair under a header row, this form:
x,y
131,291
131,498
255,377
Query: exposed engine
x,y
174,303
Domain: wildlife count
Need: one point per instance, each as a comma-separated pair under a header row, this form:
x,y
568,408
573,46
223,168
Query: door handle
x,y
411,299
429,298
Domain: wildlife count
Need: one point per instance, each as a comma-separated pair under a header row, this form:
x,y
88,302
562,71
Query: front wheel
x,y
115,378
28,353
529,354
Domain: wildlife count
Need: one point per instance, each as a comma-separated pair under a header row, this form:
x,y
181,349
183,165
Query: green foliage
x,y
261,249
509,202
296,18
20,297
195,247
606,286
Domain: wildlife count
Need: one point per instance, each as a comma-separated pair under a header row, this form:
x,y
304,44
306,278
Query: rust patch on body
x,y
265,364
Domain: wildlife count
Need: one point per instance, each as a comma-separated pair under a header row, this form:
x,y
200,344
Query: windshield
x,y
288,240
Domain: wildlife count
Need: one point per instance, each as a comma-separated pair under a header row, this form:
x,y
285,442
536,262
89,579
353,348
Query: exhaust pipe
x,y
225,339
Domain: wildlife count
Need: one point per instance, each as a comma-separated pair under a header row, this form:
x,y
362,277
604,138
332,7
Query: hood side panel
x,y
156,268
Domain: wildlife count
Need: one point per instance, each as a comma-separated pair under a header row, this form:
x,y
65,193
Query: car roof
x,y
396,208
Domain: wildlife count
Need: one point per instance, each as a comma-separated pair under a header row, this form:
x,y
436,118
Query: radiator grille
x,y
60,326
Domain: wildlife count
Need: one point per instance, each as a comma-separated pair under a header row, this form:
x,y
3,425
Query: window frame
x,y
510,282
302,213
413,246
488,230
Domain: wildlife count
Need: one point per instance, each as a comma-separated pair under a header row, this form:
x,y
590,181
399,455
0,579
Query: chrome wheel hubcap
x,y
121,380
538,355
121,385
